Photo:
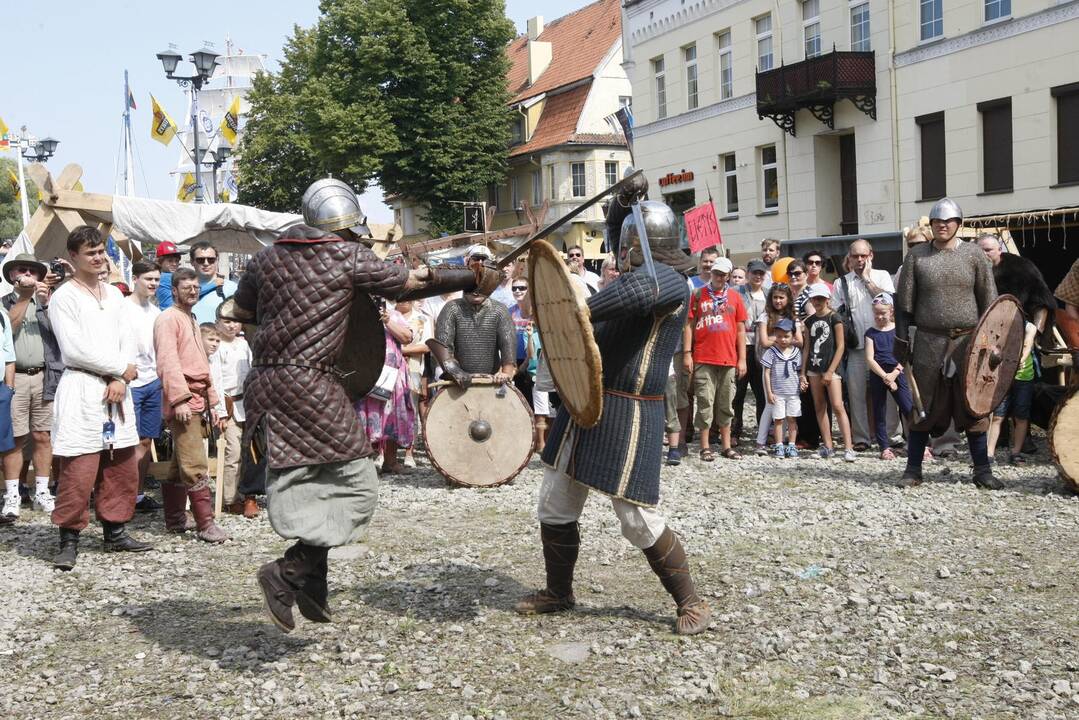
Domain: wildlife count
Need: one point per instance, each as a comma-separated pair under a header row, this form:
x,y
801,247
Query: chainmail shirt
x,y
481,337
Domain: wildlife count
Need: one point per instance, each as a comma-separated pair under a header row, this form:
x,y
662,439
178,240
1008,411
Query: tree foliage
x,y
10,207
409,92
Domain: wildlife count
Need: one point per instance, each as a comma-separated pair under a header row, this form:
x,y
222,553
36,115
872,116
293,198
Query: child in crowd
x,y
782,364
885,373
780,305
1016,404
230,366
824,351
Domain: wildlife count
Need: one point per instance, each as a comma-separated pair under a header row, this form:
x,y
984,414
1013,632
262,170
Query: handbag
x,y
387,379
850,334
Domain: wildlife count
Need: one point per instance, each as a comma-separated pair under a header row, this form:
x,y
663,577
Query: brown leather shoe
x,y
544,601
251,507
202,507
234,508
668,561
693,619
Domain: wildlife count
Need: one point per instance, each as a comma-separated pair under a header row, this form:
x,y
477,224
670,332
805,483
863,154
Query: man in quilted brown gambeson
x,y
321,485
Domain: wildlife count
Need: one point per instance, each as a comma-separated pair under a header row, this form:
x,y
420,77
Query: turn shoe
x,y
308,563
202,507
561,545
117,539
69,550
668,561
278,596
984,478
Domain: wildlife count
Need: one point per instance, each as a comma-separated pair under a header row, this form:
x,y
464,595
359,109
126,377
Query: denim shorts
x,y
147,399
1018,400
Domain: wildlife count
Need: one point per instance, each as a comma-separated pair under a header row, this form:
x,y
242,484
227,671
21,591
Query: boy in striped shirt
x,y
782,365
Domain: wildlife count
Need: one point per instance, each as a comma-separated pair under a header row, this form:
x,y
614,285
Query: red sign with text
x,y
702,227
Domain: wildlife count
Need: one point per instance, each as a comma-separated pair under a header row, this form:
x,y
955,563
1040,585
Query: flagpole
x,y
22,182
129,164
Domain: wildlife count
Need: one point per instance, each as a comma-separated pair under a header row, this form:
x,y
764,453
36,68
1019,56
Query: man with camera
x,y
38,367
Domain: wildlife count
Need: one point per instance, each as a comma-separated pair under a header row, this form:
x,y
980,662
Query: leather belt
x,y
295,362
30,371
631,396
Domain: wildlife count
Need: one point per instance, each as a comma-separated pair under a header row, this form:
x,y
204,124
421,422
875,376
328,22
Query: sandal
x,y
707,455
887,454
731,454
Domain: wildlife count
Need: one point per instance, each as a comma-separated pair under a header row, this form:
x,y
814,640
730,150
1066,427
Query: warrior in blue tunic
x,y
637,332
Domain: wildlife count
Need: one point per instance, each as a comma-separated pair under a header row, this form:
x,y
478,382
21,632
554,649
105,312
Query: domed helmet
x,y
946,209
331,205
664,238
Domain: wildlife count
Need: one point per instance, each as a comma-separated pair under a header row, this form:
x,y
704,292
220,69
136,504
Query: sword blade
x,y
624,182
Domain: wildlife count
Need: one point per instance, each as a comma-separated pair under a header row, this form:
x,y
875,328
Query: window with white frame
x,y
689,55
515,195
551,182
763,28
577,173
726,68
537,188
932,19
769,178
659,71
859,27
997,9
730,183
811,27
610,172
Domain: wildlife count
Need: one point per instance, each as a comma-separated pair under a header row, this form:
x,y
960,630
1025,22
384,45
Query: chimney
x,y
535,27
539,57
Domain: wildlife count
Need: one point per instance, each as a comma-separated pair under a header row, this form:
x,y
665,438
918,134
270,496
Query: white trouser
x,y
561,501
857,383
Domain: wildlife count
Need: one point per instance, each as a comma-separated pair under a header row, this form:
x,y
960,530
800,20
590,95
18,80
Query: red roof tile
x,y
579,41
558,124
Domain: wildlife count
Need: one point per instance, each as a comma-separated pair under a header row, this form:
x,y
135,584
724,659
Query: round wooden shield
x,y
1063,431
561,311
993,356
363,355
481,436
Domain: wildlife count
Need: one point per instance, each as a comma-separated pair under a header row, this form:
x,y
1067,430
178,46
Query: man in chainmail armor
x,y
637,331
301,292
475,335
945,286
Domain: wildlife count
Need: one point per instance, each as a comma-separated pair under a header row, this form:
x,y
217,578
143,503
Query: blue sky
x,y
64,72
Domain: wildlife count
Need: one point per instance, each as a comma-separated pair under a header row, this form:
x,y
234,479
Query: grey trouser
x,y
326,505
857,387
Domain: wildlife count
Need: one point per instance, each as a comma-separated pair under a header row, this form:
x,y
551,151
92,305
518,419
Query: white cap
x,y
480,249
723,265
819,290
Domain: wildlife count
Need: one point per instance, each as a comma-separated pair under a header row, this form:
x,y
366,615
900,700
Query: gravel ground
x,y
836,595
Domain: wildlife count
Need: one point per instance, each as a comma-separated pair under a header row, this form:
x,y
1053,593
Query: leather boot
x,y
561,544
984,478
202,507
234,508
174,497
911,478
117,539
312,596
251,507
69,550
668,561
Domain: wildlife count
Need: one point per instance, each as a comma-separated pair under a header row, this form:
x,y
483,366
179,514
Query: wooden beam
x,y
95,203
40,175
39,223
68,177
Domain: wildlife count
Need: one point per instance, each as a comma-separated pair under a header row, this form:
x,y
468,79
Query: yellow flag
x,y
14,180
5,141
162,129
186,192
231,123
77,187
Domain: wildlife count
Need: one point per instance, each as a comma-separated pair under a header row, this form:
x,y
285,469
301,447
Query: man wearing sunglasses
x,y
855,291
575,260
214,289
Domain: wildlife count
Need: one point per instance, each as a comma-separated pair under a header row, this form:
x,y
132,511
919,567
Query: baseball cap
x,y
756,266
167,248
479,250
722,265
785,324
819,290
883,299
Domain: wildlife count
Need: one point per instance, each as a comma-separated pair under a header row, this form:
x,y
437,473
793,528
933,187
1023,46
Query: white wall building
x,y
978,96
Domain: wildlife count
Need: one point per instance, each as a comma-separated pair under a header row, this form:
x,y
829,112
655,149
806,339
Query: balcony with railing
x,y
816,84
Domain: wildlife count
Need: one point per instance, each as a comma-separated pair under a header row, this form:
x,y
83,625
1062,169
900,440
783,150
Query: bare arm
x,y
763,337
840,348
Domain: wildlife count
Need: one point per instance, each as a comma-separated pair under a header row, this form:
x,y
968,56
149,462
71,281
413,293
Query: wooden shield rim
x,y
1005,379
587,416
361,354
446,474
1071,477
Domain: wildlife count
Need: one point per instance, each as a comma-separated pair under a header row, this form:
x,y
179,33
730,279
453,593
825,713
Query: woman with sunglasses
x,y
796,272
521,314
814,265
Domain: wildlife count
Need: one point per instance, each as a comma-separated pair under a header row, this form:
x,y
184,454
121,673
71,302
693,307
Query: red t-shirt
x,y
716,318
